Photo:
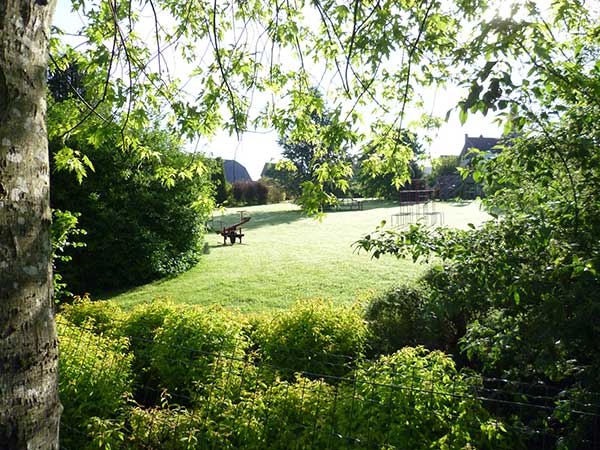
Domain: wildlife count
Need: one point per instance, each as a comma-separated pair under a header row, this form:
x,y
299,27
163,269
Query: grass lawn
x,y
287,257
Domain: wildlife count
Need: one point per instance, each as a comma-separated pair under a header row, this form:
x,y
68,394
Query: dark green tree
x,y
308,151
382,183
140,225
217,177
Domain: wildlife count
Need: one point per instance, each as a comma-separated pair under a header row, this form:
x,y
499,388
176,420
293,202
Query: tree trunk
x,y
29,404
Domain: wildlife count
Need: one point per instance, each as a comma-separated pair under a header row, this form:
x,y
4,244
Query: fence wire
x,y
142,394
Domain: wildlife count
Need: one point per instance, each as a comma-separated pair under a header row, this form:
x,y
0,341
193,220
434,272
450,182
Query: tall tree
x,y
308,154
29,404
384,177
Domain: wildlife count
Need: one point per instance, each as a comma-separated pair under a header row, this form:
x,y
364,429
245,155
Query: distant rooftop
x,y
484,144
234,171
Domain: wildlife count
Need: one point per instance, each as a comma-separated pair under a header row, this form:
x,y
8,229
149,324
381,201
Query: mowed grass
x,y
287,257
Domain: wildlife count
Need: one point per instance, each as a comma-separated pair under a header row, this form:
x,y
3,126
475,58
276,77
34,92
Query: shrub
x,y
285,415
315,337
95,380
250,192
194,347
140,327
276,193
415,399
143,215
282,416
94,315
406,316
169,428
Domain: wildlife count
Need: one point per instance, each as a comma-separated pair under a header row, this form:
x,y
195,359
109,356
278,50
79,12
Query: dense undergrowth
x,y
166,376
317,376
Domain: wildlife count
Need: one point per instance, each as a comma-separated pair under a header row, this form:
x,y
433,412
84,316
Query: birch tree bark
x,y
29,404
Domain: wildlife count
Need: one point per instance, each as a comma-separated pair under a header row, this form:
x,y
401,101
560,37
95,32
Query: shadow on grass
x,y
112,293
258,219
271,218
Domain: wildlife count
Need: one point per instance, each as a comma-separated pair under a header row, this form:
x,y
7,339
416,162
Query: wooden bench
x,y
234,232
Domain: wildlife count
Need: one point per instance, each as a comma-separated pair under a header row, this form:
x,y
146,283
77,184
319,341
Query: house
x,y
484,144
453,185
234,171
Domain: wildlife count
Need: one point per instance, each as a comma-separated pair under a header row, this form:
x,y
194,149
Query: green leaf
x,y
462,116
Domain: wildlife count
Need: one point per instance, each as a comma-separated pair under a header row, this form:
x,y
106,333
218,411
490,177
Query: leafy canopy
x,y
370,58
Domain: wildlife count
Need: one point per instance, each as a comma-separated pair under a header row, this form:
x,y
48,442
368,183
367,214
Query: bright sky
x,y
255,149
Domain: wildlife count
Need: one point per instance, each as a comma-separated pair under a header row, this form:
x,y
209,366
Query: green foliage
x,y
101,317
314,156
314,337
385,166
279,175
63,231
143,214
95,381
413,397
169,427
298,413
250,192
276,192
194,347
140,327
444,166
407,316
222,188
527,284
420,416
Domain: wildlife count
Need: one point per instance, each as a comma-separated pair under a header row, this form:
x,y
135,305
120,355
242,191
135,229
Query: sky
x,y
254,149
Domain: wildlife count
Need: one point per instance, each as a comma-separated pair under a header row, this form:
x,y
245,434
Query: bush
x,y
406,316
276,193
140,327
97,316
143,216
282,416
95,380
194,347
314,337
250,192
285,415
430,405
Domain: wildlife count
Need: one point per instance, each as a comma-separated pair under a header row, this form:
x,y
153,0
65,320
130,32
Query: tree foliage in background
x,y
384,177
375,52
311,154
444,166
221,186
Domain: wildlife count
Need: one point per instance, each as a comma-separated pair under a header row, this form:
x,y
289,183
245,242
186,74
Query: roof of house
x,y
234,171
484,144
267,168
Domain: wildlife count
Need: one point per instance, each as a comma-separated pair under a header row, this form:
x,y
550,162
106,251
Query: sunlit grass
x,y
287,257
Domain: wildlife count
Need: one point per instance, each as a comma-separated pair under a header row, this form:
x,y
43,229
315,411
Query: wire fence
x,y
227,393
